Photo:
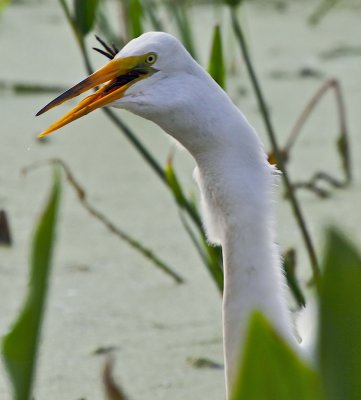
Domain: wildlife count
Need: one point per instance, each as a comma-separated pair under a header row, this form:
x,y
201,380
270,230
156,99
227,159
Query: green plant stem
x,y
271,133
83,199
334,86
208,255
70,19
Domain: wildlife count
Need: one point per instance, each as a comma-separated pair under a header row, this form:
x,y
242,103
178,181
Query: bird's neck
x,y
237,191
236,184
253,281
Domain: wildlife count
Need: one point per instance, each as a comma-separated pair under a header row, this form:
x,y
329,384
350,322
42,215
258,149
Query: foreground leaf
x,y
21,343
271,370
340,320
4,4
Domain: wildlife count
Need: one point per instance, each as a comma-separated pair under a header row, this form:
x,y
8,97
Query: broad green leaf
x,y
84,14
216,63
135,18
340,320
21,343
271,370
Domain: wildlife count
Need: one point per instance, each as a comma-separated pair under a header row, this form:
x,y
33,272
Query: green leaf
x,y
135,18
271,370
151,9
321,10
289,268
85,13
173,183
233,3
340,320
179,11
4,4
210,255
21,343
216,63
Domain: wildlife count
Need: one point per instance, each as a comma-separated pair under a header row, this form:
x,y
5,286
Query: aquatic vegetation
x,y
20,346
269,365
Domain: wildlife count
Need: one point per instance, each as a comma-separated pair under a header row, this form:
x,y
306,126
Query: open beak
x,y
118,75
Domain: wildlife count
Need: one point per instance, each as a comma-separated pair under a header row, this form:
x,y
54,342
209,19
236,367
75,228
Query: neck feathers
x,y
237,197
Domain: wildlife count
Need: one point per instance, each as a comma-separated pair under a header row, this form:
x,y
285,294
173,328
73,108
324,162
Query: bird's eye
x,y
151,58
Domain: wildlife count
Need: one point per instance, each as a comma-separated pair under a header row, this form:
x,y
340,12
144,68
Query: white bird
x,y
154,77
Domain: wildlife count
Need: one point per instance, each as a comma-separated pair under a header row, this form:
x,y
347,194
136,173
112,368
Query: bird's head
x,y
130,80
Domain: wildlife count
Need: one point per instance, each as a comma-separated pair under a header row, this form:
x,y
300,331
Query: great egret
x,y
154,77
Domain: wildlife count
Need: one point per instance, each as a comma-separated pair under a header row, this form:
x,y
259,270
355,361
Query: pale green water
x,y
119,299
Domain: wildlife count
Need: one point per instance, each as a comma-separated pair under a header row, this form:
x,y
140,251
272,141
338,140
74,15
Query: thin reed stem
x,y
343,140
83,199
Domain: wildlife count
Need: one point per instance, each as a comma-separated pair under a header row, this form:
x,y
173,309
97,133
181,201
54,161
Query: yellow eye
x,y
151,58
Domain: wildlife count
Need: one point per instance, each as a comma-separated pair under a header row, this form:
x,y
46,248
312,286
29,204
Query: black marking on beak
x,y
124,79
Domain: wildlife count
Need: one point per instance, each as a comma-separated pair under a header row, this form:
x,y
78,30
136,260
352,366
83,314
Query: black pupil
x,y
150,59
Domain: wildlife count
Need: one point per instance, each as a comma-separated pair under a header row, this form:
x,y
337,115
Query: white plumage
x,y
235,179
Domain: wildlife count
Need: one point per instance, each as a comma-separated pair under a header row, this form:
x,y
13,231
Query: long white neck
x,y
238,194
236,184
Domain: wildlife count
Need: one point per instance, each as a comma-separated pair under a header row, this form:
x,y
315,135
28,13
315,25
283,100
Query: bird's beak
x,y
118,75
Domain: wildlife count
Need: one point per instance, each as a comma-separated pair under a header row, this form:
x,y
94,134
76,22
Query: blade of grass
x,y
71,21
207,252
135,15
322,9
151,9
104,27
20,345
173,182
184,26
289,267
216,63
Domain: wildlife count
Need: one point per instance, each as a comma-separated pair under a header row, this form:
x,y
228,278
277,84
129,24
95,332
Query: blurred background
x,y
104,295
